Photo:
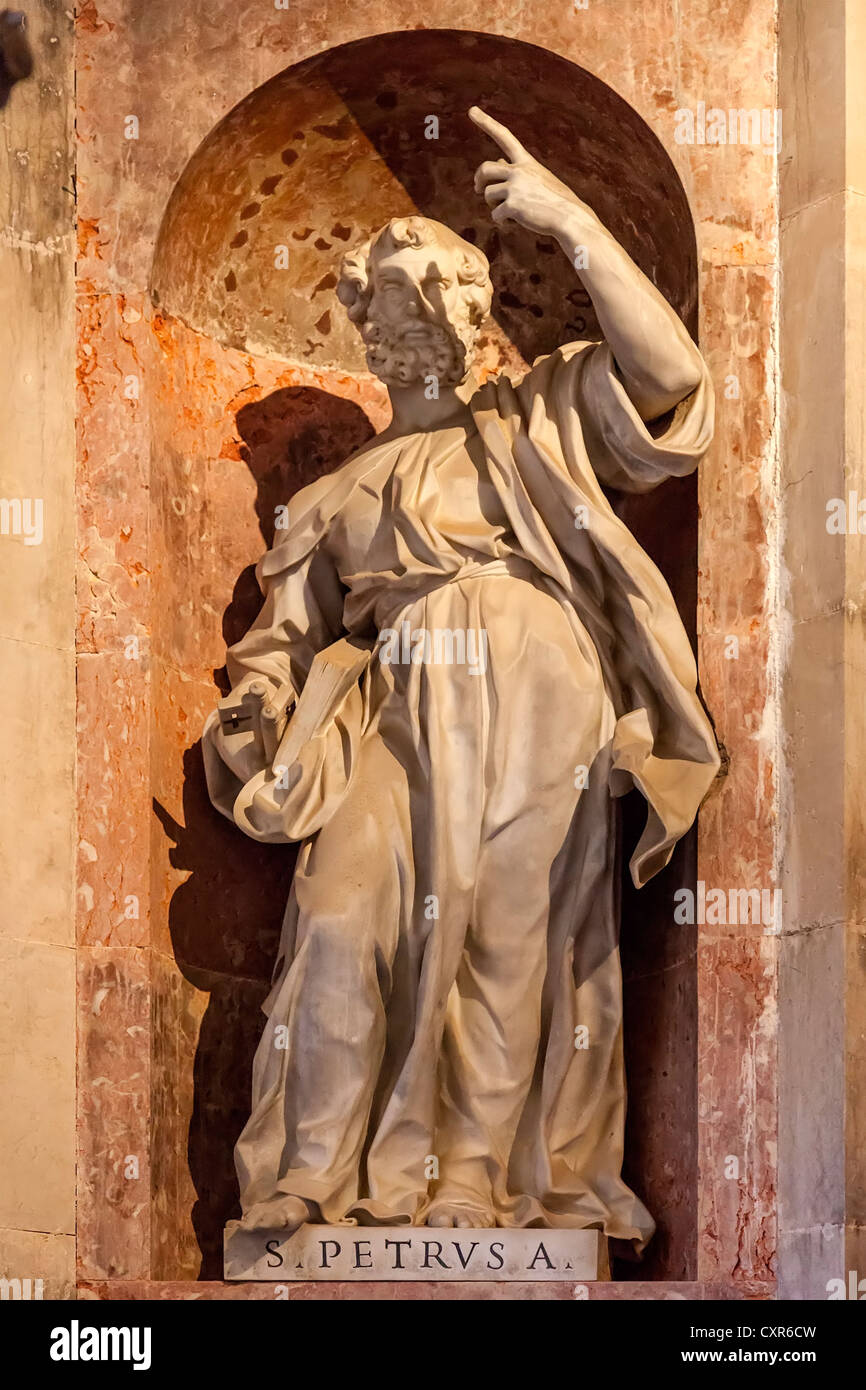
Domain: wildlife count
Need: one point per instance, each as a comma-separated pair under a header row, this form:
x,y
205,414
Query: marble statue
x,y
462,659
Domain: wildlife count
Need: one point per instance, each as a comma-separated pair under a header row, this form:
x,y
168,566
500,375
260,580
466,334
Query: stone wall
x,y
161,564
189,411
37,666
822,1023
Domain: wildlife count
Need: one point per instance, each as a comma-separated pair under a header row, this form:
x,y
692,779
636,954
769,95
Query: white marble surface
x,y
410,1253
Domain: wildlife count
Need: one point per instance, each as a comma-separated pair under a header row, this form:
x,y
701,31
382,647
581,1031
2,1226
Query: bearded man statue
x,y
444,1033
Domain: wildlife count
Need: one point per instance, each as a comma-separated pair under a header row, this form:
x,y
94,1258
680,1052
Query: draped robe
x,y
448,988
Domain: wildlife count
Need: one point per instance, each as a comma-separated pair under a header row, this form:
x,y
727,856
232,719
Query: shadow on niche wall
x,y
225,919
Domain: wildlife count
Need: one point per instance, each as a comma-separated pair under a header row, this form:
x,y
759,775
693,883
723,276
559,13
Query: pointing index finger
x,y
508,143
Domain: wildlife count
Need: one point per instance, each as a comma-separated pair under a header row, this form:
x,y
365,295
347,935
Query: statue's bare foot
x,y
279,1213
458,1214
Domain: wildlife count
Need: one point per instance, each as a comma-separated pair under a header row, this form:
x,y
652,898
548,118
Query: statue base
x,y
397,1253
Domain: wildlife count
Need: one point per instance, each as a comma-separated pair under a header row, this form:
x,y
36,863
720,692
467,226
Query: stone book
x,y
333,673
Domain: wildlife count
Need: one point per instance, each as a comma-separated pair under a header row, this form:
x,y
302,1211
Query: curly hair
x,y
354,289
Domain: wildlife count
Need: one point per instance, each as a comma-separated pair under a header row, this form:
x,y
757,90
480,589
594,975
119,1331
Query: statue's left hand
x,y
519,189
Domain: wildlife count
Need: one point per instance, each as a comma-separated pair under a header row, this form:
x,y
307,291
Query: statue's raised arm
x,y
656,358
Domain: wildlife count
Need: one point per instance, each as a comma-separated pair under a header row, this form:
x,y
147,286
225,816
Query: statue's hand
x,y
658,362
521,190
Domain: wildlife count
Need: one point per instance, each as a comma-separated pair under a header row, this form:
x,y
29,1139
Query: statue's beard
x,y
401,356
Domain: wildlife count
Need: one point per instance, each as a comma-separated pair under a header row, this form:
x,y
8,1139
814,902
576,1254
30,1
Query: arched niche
x,y
318,157
261,386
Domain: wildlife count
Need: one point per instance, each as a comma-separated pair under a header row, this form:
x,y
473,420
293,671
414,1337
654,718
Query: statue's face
x,y
413,326
414,284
